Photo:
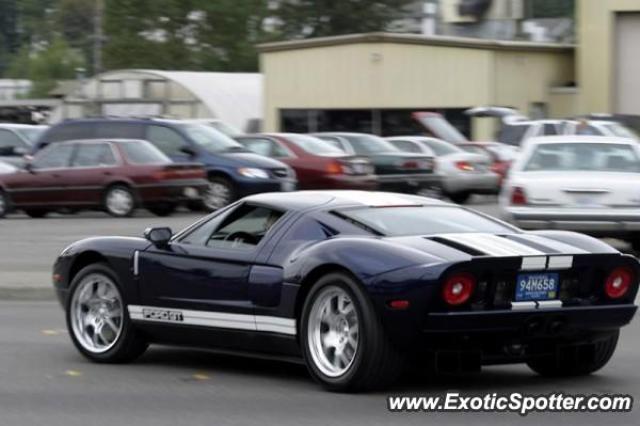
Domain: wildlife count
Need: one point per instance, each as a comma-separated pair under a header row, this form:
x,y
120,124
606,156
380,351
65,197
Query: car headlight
x,y
254,173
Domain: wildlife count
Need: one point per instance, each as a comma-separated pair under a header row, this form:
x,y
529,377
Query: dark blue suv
x,y
233,171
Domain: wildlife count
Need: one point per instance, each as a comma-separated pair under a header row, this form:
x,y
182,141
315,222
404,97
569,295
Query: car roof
x,y
22,126
578,139
341,134
308,200
104,140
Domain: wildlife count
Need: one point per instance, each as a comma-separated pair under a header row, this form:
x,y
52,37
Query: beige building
x,y
608,56
372,82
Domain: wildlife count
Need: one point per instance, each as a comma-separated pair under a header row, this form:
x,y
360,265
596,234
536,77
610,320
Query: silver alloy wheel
x,y
333,331
96,313
3,204
119,201
217,195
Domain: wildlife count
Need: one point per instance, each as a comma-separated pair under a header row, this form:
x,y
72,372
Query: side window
x,y
54,157
279,151
70,131
9,141
115,130
167,140
406,146
94,155
242,229
512,134
259,146
550,129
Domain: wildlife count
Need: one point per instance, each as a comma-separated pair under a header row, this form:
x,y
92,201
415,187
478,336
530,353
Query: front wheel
x,y
459,197
162,209
36,213
576,360
219,193
97,317
343,342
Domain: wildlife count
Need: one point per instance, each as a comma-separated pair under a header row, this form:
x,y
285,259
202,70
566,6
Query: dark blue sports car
x,y
356,284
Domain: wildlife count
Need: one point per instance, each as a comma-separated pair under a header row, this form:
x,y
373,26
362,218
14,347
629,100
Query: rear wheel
x,y
36,213
459,197
219,193
4,204
119,201
576,360
97,317
344,344
162,209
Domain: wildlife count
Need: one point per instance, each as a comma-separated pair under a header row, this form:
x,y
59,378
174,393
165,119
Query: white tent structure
x,y
235,98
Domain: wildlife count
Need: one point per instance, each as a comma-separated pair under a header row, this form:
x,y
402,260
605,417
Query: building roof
x,y
415,39
232,97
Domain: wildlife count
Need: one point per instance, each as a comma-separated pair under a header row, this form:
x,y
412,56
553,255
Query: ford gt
x,y
357,285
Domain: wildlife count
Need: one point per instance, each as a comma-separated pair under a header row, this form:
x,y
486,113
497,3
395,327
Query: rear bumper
x,y
351,182
479,183
607,222
409,181
533,322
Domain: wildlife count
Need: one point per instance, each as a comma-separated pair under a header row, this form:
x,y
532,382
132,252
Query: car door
x,y
168,141
210,268
45,184
93,164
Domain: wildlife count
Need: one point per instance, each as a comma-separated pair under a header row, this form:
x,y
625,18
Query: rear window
x,y
142,152
440,148
589,157
315,145
420,220
512,134
369,144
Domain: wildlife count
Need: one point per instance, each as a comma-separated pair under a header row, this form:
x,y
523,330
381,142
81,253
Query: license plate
x,y
537,286
288,186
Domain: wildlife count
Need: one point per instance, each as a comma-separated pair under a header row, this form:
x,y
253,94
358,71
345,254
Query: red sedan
x,y
116,176
317,163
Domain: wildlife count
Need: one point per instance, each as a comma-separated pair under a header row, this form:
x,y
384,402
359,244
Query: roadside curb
x,y
27,293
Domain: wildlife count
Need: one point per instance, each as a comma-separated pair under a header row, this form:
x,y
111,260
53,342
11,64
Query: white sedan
x,y
589,184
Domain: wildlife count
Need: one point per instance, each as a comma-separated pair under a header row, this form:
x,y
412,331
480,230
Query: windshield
x,y
30,133
225,128
421,220
441,148
621,131
315,145
591,157
210,139
142,152
369,144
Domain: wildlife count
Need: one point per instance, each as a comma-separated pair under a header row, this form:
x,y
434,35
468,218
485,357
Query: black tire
x,y
129,345
125,210
459,197
576,360
162,209
36,213
376,362
635,244
219,194
4,204
195,206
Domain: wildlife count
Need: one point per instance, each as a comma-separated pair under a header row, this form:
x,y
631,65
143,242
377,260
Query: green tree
x,y
318,18
44,67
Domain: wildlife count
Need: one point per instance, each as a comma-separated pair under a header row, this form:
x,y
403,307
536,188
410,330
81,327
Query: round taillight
x,y
458,288
618,282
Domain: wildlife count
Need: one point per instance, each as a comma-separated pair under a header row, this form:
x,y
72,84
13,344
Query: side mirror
x,y
160,237
28,165
188,150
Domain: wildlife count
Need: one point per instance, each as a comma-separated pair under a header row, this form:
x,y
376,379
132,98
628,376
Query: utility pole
x,y
98,37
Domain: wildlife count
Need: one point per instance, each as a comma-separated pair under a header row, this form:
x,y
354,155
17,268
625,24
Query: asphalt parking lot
x,y
45,381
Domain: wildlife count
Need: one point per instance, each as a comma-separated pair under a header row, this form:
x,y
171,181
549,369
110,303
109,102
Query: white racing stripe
x,y
213,319
493,245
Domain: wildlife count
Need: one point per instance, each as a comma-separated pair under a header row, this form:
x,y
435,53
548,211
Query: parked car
x,y
464,173
217,124
584,183
16,141
357,285
500,155
396,170
317,163
116,176
232,170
